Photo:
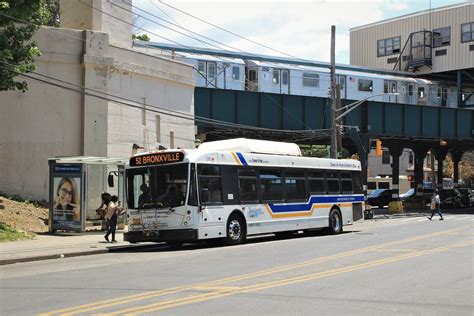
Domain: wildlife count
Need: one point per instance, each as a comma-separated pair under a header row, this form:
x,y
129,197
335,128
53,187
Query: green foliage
x,y
142,37
7,233
19,19
320,151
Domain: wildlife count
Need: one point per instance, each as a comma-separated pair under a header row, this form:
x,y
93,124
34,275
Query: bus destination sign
x,y
157,159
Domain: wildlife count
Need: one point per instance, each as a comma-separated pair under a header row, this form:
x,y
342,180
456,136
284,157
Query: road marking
x,y
272,284
146,295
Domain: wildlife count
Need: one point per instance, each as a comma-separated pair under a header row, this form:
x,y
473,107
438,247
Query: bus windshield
x,y
157,186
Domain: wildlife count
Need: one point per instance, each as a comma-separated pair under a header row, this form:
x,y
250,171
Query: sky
x,y
300,29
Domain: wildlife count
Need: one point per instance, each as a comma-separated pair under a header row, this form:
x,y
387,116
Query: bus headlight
x,y
188,218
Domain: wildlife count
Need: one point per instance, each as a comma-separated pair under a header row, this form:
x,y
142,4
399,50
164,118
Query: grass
x,y
7,233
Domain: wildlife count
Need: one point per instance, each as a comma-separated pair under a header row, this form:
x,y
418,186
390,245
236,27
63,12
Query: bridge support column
x,y
420,155
457,155
440,154
395,149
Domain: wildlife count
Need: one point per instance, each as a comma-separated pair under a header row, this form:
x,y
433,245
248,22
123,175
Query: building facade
x,y
91,95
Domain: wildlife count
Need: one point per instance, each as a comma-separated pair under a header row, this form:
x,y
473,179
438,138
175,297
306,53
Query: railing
x,y
416,53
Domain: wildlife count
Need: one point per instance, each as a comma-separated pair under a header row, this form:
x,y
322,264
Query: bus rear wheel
x,y
335,222
235,230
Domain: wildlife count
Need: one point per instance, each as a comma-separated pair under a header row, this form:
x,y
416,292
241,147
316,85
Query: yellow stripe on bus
x,y
236,159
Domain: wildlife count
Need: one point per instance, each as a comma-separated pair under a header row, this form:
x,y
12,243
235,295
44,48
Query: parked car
x,y
450,198
407,194
467,197
379,197
418,200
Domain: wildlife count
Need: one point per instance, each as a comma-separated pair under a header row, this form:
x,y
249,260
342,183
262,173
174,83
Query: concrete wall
x,y
49,121
363,39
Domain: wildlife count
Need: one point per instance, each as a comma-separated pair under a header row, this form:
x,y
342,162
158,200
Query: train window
x,y
252,75
211,70
284,77
276,76
310,79
385,157
385,87
467,32
393,87
440,92
365,85
410,90
201,68
235,73
388,46
421,92
441,37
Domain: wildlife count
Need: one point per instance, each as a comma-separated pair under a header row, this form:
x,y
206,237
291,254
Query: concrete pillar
x,y
457,155
440,154
420,154
395,149
109,16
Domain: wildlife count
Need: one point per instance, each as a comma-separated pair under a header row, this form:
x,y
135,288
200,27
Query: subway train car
x,y
272,77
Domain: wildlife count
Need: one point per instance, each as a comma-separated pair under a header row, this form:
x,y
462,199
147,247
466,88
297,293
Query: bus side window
x,y
357,178
295,186
346,182
316,182
332,180
210,180
271,185
247,185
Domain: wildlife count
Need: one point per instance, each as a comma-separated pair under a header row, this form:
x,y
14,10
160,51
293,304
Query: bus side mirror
x,y
110,180
204,195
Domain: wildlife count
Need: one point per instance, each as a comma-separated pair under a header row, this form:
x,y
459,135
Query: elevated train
x,y
293,79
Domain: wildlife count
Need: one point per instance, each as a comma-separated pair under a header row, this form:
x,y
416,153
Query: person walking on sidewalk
x,y
113,210
436,206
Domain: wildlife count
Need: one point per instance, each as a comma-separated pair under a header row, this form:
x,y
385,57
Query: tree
x,y
142,37
19,19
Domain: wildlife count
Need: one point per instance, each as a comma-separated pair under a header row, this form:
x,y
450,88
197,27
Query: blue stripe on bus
x,y
315,200
242,159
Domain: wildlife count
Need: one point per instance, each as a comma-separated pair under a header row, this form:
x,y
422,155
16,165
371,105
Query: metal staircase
x,y
416,53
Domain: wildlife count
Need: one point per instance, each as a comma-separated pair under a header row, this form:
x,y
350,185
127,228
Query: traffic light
x,y
378,148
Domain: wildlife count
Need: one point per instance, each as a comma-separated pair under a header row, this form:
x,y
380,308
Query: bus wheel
x,y
335,222
235,230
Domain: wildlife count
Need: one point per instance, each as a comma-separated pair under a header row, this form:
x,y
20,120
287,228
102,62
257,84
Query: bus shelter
x,y
75,188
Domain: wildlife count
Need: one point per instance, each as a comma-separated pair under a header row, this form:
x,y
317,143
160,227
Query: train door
x,y
411,97
211,74
285,81
443,96
342,85
201,80
390,87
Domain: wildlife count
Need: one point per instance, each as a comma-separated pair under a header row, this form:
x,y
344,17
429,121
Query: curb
x,y
77,254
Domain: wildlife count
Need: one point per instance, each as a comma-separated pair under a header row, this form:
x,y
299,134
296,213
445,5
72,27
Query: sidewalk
x,y
48,246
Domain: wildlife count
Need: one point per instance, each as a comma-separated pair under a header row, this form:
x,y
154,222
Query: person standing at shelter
x,y
436,205
113,210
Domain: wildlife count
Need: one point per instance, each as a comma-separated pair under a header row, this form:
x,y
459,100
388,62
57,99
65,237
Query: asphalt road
x,y
402,266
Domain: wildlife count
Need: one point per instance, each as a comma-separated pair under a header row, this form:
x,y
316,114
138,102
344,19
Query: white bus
x,y
236,188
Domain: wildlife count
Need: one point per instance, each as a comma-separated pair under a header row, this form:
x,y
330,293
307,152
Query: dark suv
x,y
467,197
450,198
379,197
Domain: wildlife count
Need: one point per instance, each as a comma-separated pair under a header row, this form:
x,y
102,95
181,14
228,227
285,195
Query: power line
x,y
230,32
131,24
150,108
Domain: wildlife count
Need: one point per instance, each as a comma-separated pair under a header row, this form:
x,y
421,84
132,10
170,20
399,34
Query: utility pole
x,y
334,136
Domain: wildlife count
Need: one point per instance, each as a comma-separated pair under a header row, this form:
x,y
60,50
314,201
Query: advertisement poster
x,y
66,207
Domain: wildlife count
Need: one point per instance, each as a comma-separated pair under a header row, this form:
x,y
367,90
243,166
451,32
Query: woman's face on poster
x,y
65,193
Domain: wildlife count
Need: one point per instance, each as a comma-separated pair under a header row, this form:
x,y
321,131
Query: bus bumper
x,y
161,235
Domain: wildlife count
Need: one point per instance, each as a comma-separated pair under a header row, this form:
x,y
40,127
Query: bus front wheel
x,y
235,230
335,222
